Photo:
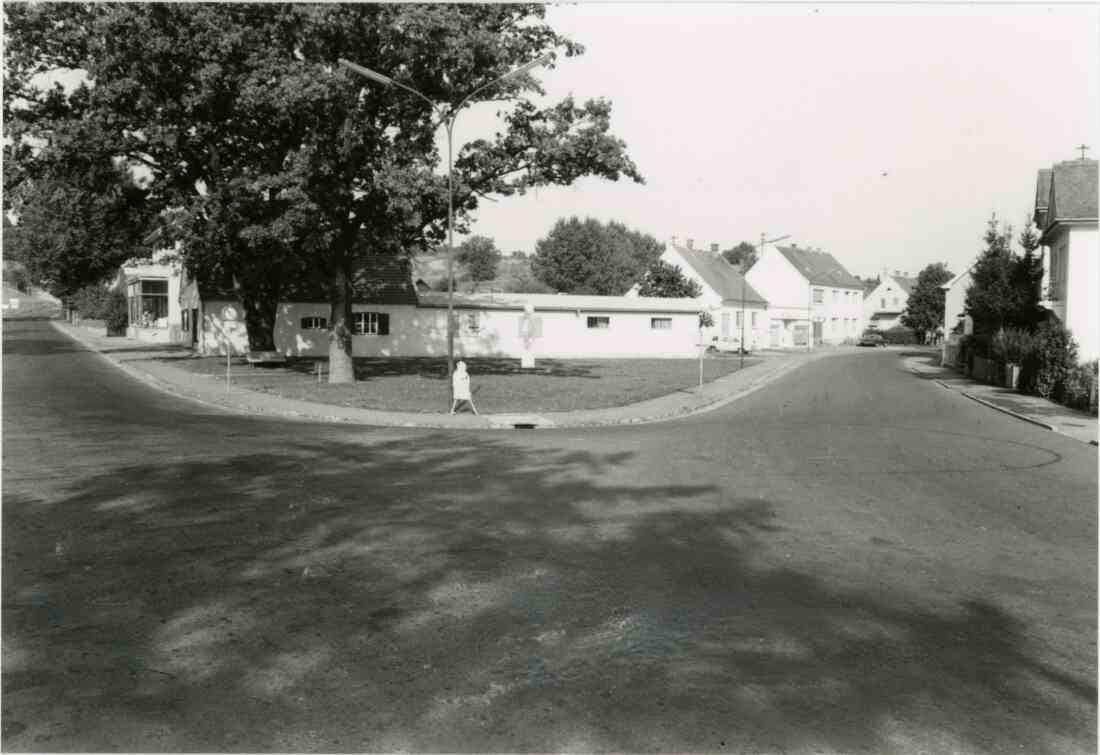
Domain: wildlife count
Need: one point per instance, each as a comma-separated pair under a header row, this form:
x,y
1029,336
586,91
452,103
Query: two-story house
x,y
809,294
884,305
1066,214
737,308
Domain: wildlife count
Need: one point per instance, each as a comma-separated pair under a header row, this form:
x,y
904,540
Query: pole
x,y
702,350
227,352
450,256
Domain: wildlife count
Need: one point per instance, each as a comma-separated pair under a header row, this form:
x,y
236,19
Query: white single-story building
x,y
152,299
394,320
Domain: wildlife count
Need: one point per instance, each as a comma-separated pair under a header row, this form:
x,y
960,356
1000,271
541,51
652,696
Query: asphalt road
x,y
850,560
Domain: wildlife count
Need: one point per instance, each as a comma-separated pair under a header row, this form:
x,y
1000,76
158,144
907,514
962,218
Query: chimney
x,y
714,248
794,246
691,243
675,240
897,273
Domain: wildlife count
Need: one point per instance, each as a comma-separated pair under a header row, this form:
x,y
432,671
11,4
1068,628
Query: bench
x,y
264,357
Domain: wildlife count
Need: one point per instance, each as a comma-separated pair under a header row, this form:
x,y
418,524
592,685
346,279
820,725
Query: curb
x,y
488,420
1009,412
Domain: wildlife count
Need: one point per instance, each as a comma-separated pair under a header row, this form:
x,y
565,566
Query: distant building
x,y
809,294
956,323
1066,214
884,305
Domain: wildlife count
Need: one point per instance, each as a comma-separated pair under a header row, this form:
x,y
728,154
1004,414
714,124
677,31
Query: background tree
x,y
742,256
282,163
589,257
669,282
1005,287
480,256
924,311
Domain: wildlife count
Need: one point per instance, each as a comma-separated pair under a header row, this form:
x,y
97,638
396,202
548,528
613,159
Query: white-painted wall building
x,y
885,304
956,323
1066,213
153,299
487,325
807,289
734,305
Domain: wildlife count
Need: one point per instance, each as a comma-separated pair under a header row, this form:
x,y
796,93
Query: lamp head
x,y
364,71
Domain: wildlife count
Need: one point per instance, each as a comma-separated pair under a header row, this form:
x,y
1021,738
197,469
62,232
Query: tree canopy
x,y
277,163
925,308
590,257
742,256
1004,291
668,282
480,256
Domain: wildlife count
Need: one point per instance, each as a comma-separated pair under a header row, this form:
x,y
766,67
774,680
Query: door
x,y
817,333
775,334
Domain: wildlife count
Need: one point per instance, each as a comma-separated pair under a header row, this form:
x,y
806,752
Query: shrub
x,y
1077,391
1045,370
115,314
899,336
1012,345
99,303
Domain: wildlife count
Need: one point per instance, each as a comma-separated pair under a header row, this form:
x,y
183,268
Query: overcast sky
x,y
885,134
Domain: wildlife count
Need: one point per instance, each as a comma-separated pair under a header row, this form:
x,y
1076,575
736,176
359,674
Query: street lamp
x,y
447,118
759,251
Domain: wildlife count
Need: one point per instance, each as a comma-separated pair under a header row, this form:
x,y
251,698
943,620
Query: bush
x,y
1012,345
1044,371
1077,391
899,336
99,303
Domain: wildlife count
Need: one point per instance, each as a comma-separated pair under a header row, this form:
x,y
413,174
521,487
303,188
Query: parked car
x,y
871,338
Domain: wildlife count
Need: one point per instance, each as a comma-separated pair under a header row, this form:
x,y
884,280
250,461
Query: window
x,y
754,314
836,296
739,319
883,302
148,302
834,326
660,323
370,323
725,325
896,301
819,295
314,323
599,323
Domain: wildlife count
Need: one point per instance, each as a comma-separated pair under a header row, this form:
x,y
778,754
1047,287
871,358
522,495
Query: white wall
x,y
422,331
888,289
1082,310
169,332
840,313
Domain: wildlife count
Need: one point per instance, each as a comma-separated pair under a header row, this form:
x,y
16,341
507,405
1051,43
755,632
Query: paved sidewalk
x,y
153,364
1037,411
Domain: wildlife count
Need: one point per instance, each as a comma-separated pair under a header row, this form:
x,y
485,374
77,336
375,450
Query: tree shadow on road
x,y
372,592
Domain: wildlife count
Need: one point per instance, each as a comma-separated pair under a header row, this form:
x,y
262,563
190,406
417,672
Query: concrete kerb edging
x,y
1009,412
552,420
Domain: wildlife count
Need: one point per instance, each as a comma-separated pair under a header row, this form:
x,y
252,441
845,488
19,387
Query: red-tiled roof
x,y
820,268
720,275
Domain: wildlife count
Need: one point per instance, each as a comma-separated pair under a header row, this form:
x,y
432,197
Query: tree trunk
x,y
341,368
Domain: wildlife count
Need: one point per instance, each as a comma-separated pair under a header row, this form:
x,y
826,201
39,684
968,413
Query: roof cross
x,y
1083,147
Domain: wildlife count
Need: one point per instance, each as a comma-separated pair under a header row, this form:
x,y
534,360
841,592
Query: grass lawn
x,y
420,384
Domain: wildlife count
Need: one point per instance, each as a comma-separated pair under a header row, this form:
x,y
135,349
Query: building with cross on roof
x,y
1066,216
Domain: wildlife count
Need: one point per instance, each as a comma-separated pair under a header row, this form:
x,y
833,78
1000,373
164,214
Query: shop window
x,y
370,323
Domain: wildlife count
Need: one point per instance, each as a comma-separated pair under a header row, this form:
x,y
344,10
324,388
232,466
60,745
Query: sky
x,y
886,134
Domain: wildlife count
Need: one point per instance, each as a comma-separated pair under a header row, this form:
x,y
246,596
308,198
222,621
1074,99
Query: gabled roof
x,y
1073,189
820,268
907,284
721,276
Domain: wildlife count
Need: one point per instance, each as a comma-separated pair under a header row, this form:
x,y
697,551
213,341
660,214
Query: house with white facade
x,y
956,323
884,305
736,307
809,294
1066,214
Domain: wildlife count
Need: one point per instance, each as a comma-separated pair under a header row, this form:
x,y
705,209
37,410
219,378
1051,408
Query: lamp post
x,y
447,118
759,251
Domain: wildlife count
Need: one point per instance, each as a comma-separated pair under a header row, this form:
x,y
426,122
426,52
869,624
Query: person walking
x,y
460,383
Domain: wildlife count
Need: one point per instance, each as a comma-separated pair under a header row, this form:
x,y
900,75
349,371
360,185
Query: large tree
x,y
590,257
281,163
668,282
924,310
480,256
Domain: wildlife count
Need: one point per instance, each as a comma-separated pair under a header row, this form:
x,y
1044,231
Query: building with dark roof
x,y
810,295
884,305
739,311
1066,215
